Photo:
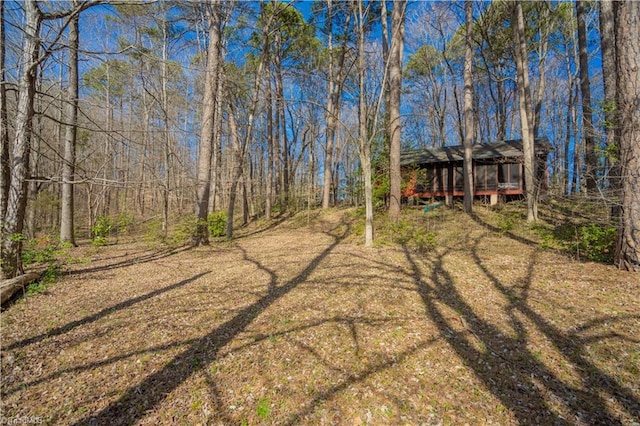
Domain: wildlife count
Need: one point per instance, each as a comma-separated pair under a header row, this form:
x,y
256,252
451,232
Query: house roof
x,y
501,149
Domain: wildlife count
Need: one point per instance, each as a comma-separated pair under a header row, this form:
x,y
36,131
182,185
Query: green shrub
x,y
41,250
184,230
101,230
505,223
126,222
153,230
424,241
401,231
597,242
217,224
50,274
381,190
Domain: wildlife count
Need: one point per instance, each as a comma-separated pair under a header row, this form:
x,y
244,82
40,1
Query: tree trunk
x,y
395,90
69,161
207,138
5,170
609,76
330,114
542,66
9,287
165,122
216,155
17,200
468,109
269,181
627,254
364,143
526,113
236,171
240,148
335,85
587,113
282,158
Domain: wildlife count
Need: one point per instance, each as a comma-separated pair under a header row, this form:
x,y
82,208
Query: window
x,y
458,184
481,177
509,176
492,179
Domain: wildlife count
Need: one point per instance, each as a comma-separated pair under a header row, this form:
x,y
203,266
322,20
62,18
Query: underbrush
x,y
577,228
414,229
580,231
45,252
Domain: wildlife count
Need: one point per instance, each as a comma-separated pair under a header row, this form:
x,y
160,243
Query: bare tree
x,y
468,109
240,146
609,76
71,117
17,201
207,137
585,89
4,122
336,80
395,90
364,143
526,113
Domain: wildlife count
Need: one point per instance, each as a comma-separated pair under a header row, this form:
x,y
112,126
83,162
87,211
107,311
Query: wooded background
x,y
165,112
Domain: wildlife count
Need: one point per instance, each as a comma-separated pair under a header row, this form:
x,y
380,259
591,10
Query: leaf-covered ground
x,y
302,325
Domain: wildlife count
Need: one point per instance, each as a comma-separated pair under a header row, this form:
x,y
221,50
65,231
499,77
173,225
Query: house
x,y
497,170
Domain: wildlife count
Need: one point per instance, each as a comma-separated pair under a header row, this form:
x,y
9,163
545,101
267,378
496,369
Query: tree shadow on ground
x,y
104,312
506,365
137,401
273,223
497,230
136,260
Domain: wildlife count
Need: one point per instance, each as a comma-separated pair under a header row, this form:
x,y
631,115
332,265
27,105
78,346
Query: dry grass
x,y
302,325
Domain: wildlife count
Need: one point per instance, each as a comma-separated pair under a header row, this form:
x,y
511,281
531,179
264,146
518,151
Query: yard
x,y
300,324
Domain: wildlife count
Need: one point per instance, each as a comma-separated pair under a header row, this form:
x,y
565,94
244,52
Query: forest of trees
x,y
165,112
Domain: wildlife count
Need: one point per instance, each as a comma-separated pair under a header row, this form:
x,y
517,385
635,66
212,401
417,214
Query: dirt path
x,y
297,326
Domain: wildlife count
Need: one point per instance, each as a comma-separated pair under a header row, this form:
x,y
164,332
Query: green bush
x,y
153,230
505,223
424,241
597,242
126,222
49,276
217,224
41,250
184,230
101,230
401,231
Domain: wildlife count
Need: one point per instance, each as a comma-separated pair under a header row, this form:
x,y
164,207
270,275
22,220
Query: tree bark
x,y
207,138
272,141
69,161
526,113
468,109
165,123
9,287
336,83
330,114
627,254
609,76
5,170
238,157
364,143
17,200
395,90
216,155
587,111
